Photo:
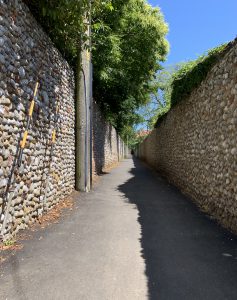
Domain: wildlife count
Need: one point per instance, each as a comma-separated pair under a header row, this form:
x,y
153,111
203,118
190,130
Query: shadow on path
x,y
187,255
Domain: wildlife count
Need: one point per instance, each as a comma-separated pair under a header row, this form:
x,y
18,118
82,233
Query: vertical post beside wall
x,y
77,121
85,124
91,96
83,118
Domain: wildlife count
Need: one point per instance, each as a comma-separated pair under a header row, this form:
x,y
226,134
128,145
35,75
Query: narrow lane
x,y
187,255
133,237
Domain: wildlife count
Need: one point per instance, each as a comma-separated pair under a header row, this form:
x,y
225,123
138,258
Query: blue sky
x,y
198,25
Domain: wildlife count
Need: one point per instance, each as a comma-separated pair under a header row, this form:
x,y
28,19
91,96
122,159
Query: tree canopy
x,y
126,55
128,44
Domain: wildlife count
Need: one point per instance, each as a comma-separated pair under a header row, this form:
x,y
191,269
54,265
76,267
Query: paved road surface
x,y
133,237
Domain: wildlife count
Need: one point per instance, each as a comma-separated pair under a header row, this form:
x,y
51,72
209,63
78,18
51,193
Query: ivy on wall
x,y
189,76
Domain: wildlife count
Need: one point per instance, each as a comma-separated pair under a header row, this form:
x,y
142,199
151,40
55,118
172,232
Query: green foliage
x,y
66,22
132,137
193,73
129,136
126,56
187,77
128,42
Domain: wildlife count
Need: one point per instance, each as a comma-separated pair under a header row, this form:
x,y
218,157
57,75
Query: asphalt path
x,y
133,237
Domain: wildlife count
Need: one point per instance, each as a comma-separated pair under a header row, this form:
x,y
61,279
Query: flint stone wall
x,y
27,55
108,147
195,147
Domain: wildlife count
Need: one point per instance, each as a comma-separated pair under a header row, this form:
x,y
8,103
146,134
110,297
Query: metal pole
x,y
91,97
78,120
83,124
